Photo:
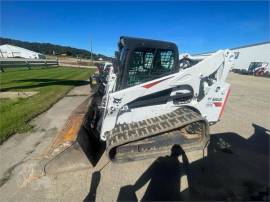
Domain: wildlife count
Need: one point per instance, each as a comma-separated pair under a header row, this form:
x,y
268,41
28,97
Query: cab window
x,y
148,64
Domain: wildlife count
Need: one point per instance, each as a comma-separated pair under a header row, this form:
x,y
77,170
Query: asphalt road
x,y
236,167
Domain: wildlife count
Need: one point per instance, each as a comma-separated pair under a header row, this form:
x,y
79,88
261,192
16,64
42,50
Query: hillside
x,y
49,49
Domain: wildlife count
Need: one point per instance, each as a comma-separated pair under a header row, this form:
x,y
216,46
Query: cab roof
x,y
132,43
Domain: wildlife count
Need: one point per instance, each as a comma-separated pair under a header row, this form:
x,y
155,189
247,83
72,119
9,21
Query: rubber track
x,y
126,133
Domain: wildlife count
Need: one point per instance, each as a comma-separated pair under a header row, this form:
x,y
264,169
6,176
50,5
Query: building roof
x,y
12,48
255,44
239,47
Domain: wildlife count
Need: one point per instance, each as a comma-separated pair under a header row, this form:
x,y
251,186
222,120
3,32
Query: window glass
x,y
236,55
149,64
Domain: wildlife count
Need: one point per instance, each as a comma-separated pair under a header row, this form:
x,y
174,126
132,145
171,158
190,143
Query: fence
x,y
21,62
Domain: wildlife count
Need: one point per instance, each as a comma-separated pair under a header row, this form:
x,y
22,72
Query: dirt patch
x,y
13,95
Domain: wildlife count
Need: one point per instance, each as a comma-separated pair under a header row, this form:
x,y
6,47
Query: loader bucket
x,y
81,154
73,148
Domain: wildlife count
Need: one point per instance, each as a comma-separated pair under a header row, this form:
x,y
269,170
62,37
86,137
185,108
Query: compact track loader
x,y
150,99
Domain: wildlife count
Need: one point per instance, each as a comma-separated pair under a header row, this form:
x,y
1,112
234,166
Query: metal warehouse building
x,y
10,51
250,55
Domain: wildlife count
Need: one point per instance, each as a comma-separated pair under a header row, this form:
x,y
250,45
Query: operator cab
x,y
141,60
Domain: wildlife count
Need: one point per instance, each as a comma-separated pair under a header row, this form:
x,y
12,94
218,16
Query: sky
x,y
194,26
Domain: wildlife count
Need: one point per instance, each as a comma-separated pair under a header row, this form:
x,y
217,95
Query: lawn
x,y
51,85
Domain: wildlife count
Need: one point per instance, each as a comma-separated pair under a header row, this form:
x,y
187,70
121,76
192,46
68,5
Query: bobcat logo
x,y
117,100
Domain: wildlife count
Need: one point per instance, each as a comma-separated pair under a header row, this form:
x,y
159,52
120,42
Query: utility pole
x,y
91,51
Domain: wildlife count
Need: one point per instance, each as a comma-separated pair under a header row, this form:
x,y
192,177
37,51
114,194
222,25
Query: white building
x,y
249,55
10,51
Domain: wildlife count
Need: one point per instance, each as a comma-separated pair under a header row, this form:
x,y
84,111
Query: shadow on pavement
x,y
235,169
93,187
164,176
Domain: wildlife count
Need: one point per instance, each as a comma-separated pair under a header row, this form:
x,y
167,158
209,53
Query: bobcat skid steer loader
x,y
146,102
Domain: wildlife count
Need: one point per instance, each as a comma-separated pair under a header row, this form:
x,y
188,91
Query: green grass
x,y
51,84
